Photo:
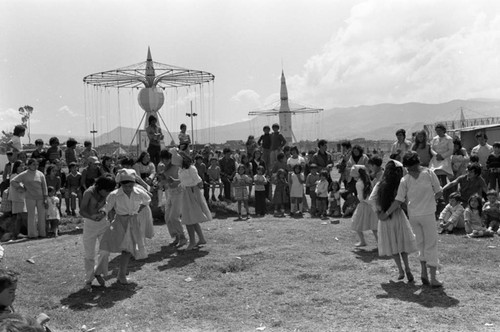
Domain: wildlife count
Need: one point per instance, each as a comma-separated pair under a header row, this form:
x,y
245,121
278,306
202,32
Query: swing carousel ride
x,y
146,82
284,109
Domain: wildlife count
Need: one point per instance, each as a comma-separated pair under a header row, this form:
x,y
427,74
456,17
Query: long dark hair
x,y
388,185
363,176
420,144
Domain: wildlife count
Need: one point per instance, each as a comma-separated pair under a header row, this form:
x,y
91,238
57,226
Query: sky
x,y
335,53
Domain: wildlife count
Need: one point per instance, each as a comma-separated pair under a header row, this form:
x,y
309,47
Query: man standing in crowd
x,y
227,170
322,158
482,151
278,141
265,143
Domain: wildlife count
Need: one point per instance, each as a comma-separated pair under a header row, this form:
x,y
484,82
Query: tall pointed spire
x,y
284,114
150,70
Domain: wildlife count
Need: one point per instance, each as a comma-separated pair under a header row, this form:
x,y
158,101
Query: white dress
x,y
297,188
363,218
443,146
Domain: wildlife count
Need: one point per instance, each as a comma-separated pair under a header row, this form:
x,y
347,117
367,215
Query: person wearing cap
x,y
227,171
420,189
125,203
95,223
91,172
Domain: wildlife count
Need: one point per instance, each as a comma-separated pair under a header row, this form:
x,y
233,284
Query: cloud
x,y
401,51
66,110
247,96
8,119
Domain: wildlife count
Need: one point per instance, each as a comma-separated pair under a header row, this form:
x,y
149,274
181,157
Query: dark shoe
x,y
424,276
409,276
100,280
401,276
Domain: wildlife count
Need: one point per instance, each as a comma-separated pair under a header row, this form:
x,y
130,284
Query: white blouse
x,y
189,177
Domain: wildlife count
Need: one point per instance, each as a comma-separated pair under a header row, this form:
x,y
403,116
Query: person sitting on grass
x,y
474,226
241,181
470,183
452,215
491,211
8,286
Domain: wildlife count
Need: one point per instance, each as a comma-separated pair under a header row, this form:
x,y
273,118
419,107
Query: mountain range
x,y
375,122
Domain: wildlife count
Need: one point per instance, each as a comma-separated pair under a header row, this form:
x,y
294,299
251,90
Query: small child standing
x,y
452,215
296,181
473,218
334,199
73,189
311,180
363,218
322,194
281,193
53,214
491,211
184,138
213,172
241,182
260,191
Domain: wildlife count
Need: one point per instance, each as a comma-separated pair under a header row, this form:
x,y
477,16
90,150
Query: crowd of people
x,y
428,186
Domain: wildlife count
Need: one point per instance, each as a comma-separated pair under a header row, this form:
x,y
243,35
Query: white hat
x,y
93,160
126,175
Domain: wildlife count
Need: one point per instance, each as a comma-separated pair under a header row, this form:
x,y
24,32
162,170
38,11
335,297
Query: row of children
x,y
478,220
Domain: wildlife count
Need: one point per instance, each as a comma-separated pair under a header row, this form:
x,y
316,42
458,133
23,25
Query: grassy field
x,y
271,274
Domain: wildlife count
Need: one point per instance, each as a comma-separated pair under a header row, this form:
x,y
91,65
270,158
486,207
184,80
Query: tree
x,y
25,118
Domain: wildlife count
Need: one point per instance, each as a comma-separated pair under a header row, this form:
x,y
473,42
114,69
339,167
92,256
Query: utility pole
x,y
192,115
93,132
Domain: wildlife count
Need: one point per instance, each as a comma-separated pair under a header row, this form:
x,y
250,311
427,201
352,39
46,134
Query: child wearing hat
x,y
452,215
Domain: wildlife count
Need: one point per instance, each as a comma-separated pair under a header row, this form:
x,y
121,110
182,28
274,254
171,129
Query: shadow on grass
x,y
183,258
100,297
134,265
369,256
427,297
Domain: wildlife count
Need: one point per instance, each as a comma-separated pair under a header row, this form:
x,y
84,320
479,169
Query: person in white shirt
x,y
124,232
482,151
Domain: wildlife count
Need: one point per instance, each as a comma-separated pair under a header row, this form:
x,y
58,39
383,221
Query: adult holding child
x,y
33,182
442,150
420,188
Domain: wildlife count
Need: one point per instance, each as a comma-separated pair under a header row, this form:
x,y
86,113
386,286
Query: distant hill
x,y
371,122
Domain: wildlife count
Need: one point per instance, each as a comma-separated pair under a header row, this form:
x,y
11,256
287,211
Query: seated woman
x,y
145,168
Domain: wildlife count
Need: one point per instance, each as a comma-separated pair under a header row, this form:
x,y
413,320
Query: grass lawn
x,y
271,274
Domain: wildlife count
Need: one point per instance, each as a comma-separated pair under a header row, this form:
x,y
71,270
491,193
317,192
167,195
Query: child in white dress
x,y
296,181
363,218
